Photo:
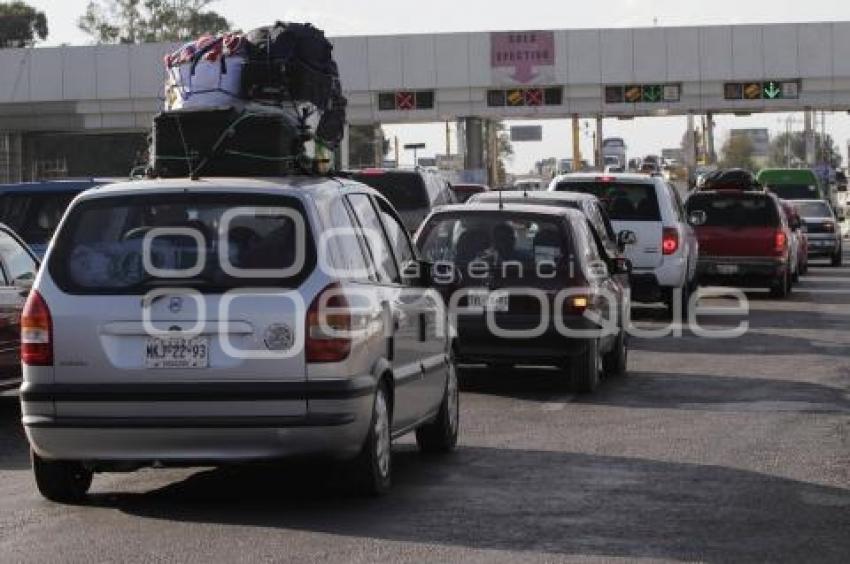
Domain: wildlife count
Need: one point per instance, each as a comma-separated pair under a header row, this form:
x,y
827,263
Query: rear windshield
x,y
263,241
405,191
494,238
735,211
813,209
624,201
795,191
34,217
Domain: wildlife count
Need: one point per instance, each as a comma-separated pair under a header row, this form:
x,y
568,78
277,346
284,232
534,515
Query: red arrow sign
x,y
534,97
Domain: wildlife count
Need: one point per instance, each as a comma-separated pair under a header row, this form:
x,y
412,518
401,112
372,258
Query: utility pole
x,y
448,140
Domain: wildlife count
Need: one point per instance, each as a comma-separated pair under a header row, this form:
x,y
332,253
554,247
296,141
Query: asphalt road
x,y
709,450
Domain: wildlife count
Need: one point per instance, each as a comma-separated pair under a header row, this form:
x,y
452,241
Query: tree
x,y
738,153
789,149
21,25
148,21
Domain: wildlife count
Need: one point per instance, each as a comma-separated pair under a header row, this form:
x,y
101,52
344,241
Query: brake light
x,y
781,242
36,332
670,240
328,316
372,172
606,179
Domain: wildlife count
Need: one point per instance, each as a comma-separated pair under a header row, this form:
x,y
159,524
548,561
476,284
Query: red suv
x,y
745,240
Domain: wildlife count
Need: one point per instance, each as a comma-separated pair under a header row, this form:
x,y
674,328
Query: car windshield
x,y
624,201
813,209
208,242
34,217
795,191
734,211
495,237
405,190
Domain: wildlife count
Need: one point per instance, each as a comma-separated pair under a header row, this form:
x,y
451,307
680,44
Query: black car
x,y
413,193
529,285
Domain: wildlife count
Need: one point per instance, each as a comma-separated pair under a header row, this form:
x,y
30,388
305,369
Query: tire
x,y
779,288
615,363
585,369
684,298
61,481
372,468
837,258
440,435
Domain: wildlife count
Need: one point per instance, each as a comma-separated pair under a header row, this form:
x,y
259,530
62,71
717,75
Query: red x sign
x,y
534,97
405,101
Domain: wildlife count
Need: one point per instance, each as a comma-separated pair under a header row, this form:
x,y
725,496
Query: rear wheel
x,y
441,434
61,480
586,368
682,296
837,258
779,288
373,466
615,363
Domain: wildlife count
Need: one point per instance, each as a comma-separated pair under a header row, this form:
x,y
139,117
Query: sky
x,y
366,17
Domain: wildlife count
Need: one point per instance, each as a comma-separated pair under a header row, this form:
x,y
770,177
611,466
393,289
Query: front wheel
x,y
441,434
61,481
373,466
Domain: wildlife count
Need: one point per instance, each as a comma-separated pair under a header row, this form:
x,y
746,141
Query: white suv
x,y
665,251
182,322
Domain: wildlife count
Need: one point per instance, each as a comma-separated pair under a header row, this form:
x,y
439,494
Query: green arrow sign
x,y
772,90
652,93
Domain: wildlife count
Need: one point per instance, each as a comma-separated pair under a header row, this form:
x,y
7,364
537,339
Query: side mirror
x,y
626,238
841,215
443,274
795,224
697,218
623,265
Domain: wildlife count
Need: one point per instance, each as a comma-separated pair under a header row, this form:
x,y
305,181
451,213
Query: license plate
x,y
727,269
177,352
492,301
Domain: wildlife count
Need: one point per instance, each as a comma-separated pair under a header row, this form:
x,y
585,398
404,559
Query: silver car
x,y
182,323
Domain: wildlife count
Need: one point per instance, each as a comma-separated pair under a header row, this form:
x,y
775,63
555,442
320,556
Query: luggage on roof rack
x,y
206,72
225,142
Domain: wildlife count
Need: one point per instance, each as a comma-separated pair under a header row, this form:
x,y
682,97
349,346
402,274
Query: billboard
x,y
522,57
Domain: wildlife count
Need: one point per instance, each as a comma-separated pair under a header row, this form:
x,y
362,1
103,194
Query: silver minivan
x,y
194,322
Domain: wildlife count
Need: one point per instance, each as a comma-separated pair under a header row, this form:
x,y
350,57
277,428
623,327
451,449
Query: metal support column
x,y
598,157
378,145
576,143
809,136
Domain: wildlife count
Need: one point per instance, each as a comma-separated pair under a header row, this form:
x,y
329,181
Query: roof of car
x,y
51,187
296,185
541,195
595,176
510,207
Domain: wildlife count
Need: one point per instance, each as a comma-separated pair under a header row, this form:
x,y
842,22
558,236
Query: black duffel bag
x,y
224,142
291,62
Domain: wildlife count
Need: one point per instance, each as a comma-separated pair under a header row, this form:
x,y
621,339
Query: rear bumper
x,y
224,428
652,285
749,272
477,344
823,246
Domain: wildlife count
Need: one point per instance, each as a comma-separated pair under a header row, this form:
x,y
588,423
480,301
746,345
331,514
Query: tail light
x,y
328,316
577,305
781,242
36,332
670,240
